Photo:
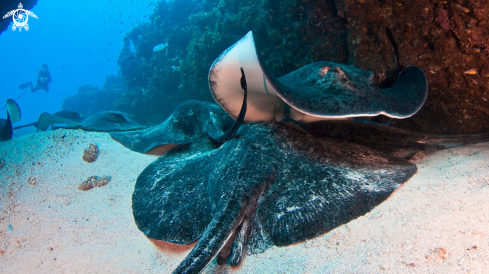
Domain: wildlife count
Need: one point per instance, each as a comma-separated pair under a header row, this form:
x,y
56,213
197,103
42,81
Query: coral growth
x,y
90,154
94,181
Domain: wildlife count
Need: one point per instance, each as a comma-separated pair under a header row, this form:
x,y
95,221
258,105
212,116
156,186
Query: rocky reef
x,y
448,40
8,5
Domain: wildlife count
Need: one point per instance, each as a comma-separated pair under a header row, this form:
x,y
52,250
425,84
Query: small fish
x,y
468,31
464,9
160,47
470,72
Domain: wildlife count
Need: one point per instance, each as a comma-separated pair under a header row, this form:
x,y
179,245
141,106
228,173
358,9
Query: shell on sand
x,y
90,154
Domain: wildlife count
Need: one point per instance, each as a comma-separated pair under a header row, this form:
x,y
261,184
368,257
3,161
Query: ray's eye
x,y
340,73
324,70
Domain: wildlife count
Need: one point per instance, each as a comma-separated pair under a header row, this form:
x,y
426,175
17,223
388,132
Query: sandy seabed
x,y
437,222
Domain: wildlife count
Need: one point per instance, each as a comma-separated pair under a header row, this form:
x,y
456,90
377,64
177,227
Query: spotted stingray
x,y
318,91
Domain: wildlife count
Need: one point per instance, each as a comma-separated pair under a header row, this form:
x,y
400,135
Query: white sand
x,y
438,222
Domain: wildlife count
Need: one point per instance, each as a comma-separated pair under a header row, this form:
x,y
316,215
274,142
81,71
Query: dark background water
x,y
79,40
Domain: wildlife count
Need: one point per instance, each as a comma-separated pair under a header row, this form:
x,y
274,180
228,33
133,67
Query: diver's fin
x,y
13,110
231,133
25,85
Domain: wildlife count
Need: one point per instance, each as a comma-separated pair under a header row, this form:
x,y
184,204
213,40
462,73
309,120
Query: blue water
x,y
78,40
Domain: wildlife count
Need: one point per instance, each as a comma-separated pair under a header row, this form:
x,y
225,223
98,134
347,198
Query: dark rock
x,y
90,100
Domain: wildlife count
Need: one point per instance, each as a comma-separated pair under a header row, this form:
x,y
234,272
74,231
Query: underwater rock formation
x,y
89,100
445,38
8,5
116,95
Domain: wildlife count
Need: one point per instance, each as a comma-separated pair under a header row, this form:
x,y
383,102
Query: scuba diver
x,y
43,80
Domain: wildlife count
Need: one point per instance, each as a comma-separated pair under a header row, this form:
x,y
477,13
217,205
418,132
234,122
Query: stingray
x,y
318,91
107,121
261,185
61,117
13,116
187,124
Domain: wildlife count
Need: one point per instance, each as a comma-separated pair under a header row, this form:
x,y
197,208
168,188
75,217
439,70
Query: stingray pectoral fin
x,y
408,94
44,121
13,115
263,101
6,131
169,203
14,111
333,183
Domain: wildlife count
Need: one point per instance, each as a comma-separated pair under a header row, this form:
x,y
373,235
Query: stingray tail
x,y
27,125
408,94
218,233
454,139
394,45
231,133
